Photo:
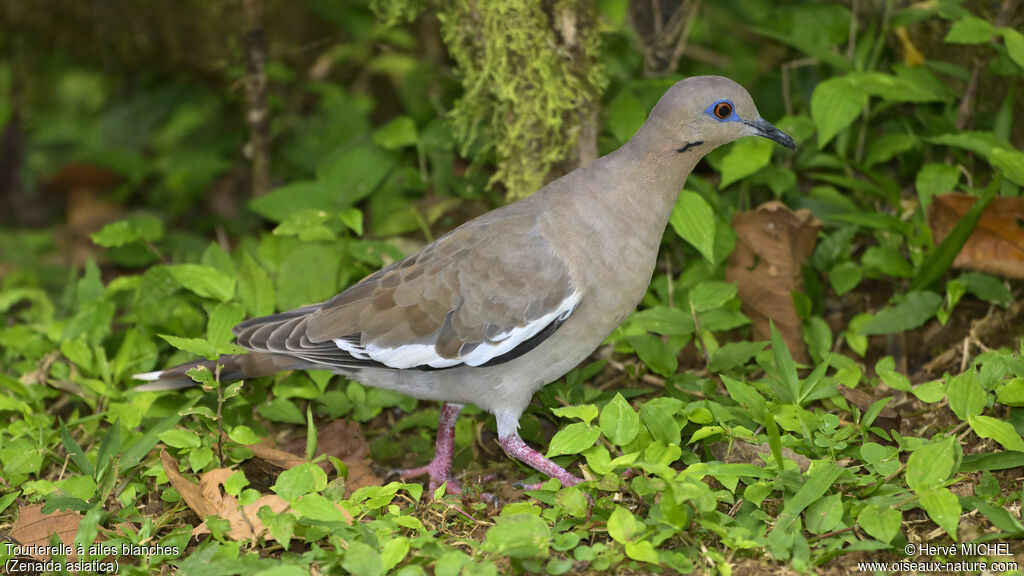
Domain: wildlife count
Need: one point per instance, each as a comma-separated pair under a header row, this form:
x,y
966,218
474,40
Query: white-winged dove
x,y
512,300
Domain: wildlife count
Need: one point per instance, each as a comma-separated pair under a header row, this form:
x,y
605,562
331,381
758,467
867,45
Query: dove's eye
x,y
723,110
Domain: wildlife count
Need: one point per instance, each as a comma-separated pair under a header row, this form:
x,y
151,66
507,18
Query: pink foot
x,y
440,468
514,446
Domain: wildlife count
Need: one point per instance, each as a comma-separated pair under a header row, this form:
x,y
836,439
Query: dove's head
x,y
700,113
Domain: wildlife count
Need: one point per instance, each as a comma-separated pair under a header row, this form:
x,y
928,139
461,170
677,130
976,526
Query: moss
x,y
530,76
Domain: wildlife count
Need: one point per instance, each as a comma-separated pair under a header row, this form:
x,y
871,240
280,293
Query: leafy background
x,y
135,235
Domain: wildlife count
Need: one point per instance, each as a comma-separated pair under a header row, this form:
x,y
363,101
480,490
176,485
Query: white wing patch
x,y
412,355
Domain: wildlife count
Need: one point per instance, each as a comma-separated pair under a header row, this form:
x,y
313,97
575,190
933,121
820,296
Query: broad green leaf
x,y
655,353
625,115
824,514
819,480
887,147
619,422
747,156
1011,162
733,354
397,133
845,277
304,195
642,551
255,290
623,526
1011,392
244,435
584,412
136,227
573,439
966,396
223,318
308,274
308,225
362,560
299,481
1014,44
519,536
880,522
711,295
746,395
694,220
987,288
195,346
935,179
970,30
663,320
178,438
661,423
942,507
930,465
835,104
913,311
998,430
352,218
206,281
888,261
317,508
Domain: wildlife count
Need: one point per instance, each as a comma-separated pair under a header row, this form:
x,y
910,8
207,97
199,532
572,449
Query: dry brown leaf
x,y
996,246
34,528
773,242
208,499
265,451
888,419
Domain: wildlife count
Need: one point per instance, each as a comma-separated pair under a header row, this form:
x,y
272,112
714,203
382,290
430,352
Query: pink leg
x,y
440,468
514,446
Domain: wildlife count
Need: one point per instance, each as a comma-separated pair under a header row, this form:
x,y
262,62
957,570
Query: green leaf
x,y
784,365
136,227
304,195
998,430
913,311
223,318
573,439
880,522
663,320
942,507
75,452
694,220
845,277
888,261
625,115
1011,392
623,526
824,514
316,507
930,465
656,354
887,147
987,288
519,536
747,156
1014,44
1011,162
255,290
733,354
966,396
244,435
642,551
308,274
711,295
819,480
935,179
619,422
970,30
205,281
352,219
835,104
182,439
362,560
583,412
746,395
661,422
308,225
398,133
301,480
195,346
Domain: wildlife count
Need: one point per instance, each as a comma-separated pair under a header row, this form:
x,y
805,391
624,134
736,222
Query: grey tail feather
x,y
234,367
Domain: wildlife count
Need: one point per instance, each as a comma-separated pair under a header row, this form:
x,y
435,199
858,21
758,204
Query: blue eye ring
x,y
723,111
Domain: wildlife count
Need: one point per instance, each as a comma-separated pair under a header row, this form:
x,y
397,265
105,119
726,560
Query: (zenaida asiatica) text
x,y
512,300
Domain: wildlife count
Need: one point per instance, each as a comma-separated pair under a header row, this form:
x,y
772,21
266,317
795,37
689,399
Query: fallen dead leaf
x,y
888,419
773,242
209,498
265,451
996,246
34,528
